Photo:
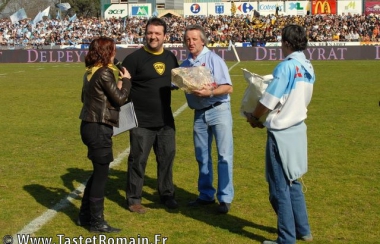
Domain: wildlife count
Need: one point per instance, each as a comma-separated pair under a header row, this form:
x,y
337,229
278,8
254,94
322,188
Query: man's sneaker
x,y
200,202
307,238
269,242
137,208
224,207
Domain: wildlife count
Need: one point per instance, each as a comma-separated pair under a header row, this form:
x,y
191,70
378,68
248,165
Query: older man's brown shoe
x,y
137,208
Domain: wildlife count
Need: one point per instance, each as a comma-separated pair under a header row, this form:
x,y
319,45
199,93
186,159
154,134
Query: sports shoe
x,y
200,202
224,207
269,242
137,208
306,238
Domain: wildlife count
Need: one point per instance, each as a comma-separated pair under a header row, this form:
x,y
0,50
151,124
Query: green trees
x,y
84,8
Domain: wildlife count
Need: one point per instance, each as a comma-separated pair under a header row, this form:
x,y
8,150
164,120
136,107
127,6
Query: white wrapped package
x,y
256,88
192,78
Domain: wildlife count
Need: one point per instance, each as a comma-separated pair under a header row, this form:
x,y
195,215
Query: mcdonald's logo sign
x,y
322,7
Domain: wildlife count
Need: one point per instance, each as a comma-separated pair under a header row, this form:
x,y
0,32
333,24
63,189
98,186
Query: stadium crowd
x,y
220,29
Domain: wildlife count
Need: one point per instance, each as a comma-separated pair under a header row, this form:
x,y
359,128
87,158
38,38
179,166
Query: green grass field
x,y
42,160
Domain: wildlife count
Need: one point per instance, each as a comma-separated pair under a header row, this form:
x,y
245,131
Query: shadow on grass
x,y
205,214
56,199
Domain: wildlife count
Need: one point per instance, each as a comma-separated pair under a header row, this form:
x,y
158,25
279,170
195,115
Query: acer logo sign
x,y
116,11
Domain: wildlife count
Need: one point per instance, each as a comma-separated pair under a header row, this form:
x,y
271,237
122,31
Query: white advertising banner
x,y
265,8
222,8
115,10
195,9
352,7
317,44
245,8
296,8
140,10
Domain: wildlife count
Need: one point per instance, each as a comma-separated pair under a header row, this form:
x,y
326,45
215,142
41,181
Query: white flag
x,y
19,15
46,12
73,18
63,6
230,46
38,18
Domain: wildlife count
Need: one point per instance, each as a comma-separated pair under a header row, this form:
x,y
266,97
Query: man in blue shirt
x,y
212,118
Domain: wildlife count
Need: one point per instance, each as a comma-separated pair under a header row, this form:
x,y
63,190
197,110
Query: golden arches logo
x,y
324,7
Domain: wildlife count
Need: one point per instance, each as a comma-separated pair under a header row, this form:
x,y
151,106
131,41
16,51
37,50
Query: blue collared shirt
x,y
218,69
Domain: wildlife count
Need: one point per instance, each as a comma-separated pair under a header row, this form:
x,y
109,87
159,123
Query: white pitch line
x,y
180,110
49,214
233,66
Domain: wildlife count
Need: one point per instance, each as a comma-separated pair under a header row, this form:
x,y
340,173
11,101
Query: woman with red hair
x,y
101,100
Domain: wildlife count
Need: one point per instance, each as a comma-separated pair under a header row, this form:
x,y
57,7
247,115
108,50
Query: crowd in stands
x,y
220,29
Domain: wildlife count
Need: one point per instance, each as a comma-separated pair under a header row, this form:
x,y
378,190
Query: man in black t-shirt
x,y
150,68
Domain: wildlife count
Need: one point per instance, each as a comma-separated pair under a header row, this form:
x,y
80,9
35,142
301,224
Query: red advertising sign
x,y
323,7
372,8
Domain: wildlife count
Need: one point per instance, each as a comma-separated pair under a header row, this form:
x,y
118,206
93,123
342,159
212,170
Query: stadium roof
x,y
168,13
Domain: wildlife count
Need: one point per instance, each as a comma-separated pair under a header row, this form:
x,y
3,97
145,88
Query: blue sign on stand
x,y
219,8
246,44
85,46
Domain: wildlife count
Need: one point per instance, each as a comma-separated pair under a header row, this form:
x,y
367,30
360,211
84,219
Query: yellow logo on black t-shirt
x,y
159,67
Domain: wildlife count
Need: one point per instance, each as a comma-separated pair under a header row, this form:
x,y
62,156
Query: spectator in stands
x,y
354,35
3,40
262,40
83,30
365,37
254,41
335,36
347,36
375,33
342,36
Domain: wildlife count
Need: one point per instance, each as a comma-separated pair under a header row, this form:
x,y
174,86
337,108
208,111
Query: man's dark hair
x,y
294,36
156,21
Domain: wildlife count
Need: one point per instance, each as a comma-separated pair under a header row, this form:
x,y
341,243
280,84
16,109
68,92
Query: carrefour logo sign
x,y
245,8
